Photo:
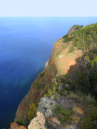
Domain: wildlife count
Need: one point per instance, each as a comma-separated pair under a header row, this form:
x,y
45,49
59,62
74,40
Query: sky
x,y
47,8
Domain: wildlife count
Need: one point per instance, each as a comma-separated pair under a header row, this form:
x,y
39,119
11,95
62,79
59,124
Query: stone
x,y
45,106
14,125
38,122
46,64
60,87
67,85
95,123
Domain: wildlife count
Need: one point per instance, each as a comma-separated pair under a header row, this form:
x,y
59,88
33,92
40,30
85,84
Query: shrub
x,y
42,74
31,112
64,115
48,93
71,49
20,121
87,121
52,91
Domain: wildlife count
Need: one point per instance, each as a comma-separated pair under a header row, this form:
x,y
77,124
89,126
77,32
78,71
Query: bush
x,y
64,115
31,112
42,74
87,121
20,121
48,93
71,49
66,38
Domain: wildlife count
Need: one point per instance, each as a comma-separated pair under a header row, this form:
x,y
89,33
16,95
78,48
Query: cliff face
x,y
59,64
51,89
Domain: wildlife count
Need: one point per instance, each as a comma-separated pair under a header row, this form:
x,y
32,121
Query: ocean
x,y
26,44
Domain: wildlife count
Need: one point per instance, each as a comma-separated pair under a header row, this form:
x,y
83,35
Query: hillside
x,y
64,94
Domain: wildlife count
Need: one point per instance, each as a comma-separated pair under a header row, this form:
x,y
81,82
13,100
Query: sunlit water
x,y
25,45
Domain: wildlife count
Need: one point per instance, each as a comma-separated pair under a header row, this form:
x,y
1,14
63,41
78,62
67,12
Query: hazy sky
x,y
48,7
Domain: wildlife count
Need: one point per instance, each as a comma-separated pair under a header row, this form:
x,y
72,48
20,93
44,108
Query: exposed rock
x,y
46,64
60,56
67,86
52,123
38,122
72,29
61,87
14,125
45,106
95,122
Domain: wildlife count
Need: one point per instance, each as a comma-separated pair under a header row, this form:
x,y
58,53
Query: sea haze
x,y
26,44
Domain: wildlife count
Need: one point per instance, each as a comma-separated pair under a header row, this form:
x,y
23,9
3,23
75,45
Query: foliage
x,y
39,85
67,38
42,74
52,91
78,27
85,37
20,121
48,93
87,121
71,49
64,115
31,112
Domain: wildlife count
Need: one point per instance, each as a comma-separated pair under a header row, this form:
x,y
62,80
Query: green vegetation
x,y
42,74
31,112
64,115
71,49
67,38
84,78
20,121
52,91
71,36
85,38
78,27
38,85
89,120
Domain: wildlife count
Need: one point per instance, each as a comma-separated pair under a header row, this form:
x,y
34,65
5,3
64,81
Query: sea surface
x,y
26,44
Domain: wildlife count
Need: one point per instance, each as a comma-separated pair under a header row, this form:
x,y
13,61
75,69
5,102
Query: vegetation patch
x,y
71,49
67,38
89,120
42,74
31,112
52,91
20,121
64,114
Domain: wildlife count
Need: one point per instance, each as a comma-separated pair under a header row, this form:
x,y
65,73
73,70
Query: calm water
x,y
25,46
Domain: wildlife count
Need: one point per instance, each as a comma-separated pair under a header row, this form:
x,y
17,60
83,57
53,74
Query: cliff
x,y
60,91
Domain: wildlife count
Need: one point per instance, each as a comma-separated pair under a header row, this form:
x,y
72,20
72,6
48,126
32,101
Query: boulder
x,y
45,106
61,87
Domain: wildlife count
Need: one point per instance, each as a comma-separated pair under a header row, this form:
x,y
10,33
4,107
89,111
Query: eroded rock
x,y
38,122
45,106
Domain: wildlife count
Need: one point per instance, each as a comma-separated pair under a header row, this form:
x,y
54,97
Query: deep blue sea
x,y
26,44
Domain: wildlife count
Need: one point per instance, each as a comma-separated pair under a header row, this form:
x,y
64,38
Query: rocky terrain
x,y
59,106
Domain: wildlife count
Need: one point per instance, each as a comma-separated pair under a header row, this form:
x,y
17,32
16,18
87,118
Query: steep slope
x,y
59,63
66,76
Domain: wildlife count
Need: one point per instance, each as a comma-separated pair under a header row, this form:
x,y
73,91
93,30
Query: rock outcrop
x,y
14,125
46,64
38,122
47,118
72,29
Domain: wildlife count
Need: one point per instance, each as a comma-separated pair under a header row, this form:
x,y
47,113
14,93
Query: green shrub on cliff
x,y
42,74
89,120
31,112
20,121
64,115
71,49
